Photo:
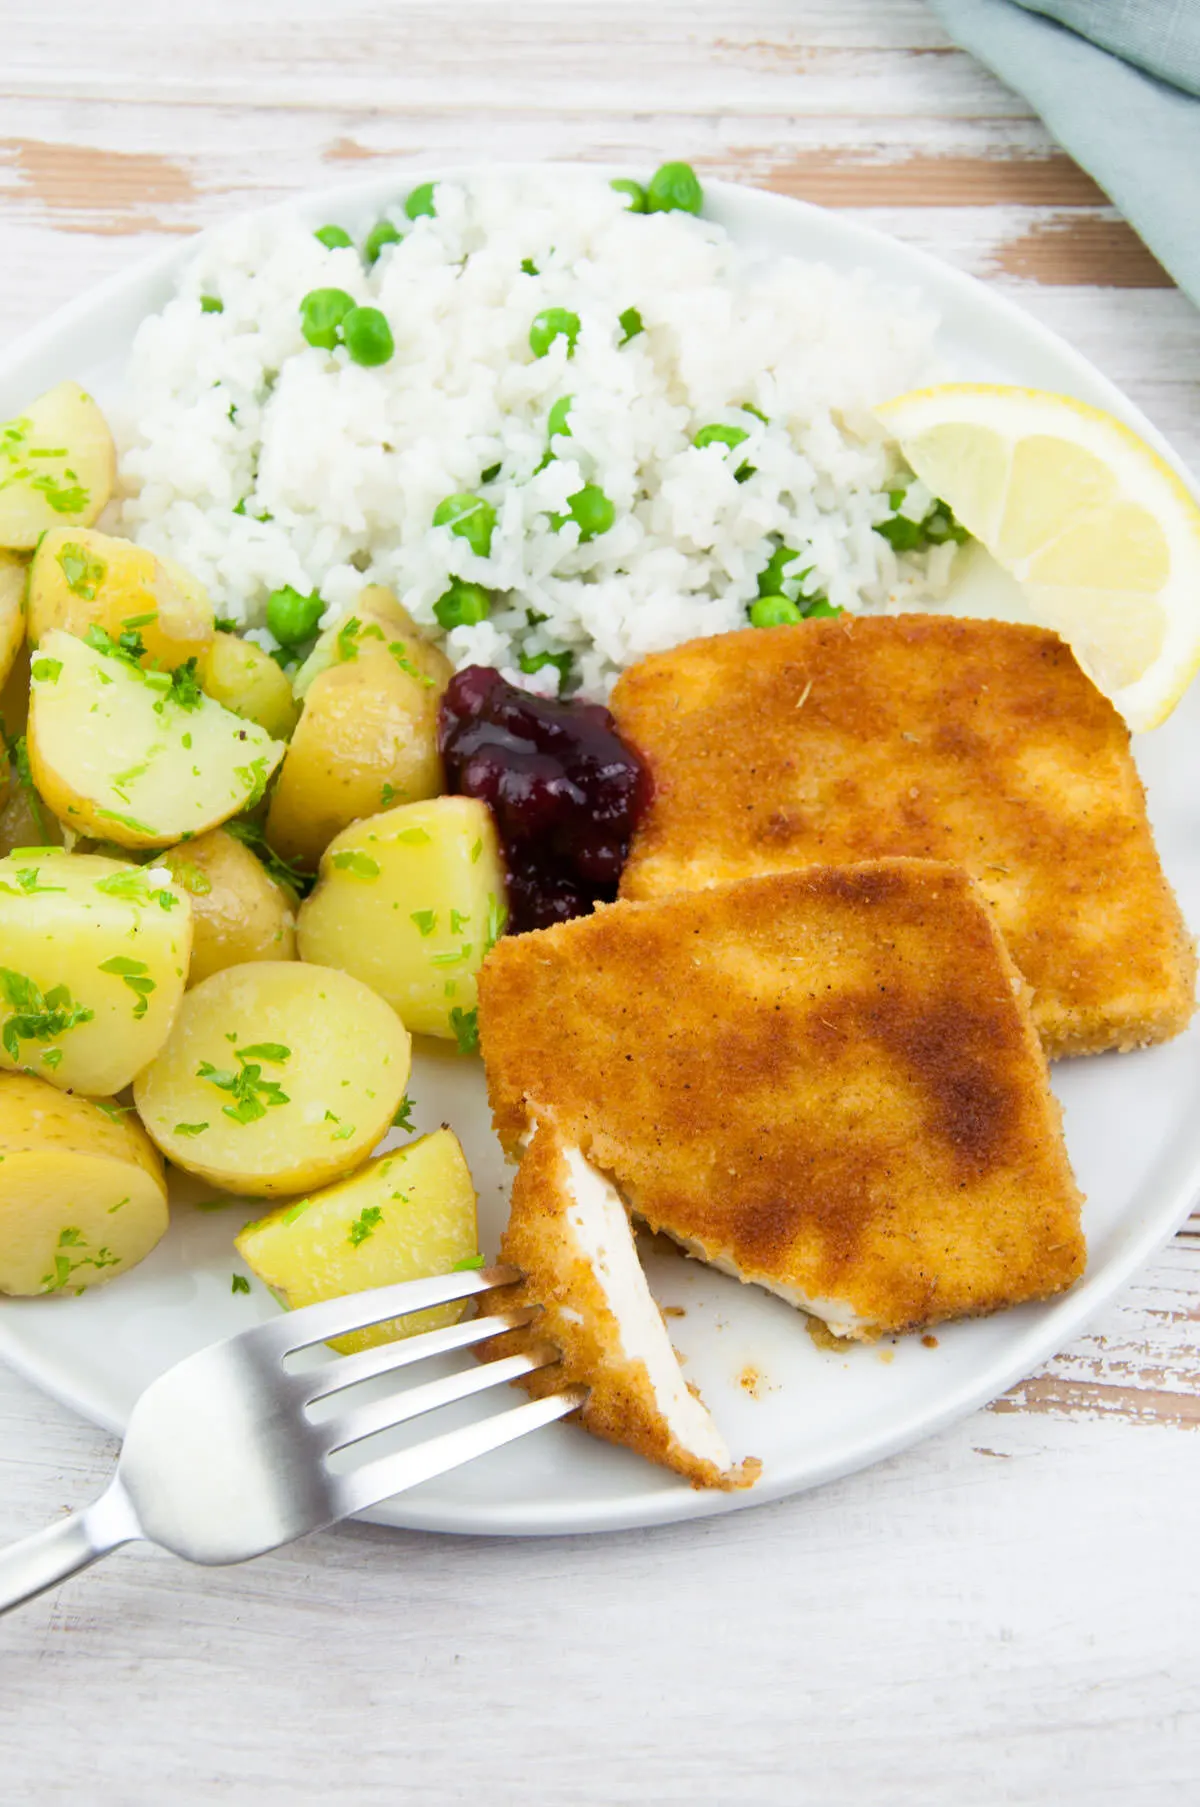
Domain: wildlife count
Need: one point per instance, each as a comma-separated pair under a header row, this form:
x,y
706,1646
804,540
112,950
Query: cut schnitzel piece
x,y
977,742
569,1234
826,1082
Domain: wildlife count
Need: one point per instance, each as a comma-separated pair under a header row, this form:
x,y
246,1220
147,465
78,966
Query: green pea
x,y
529,268
820,609
548,326
334,238
291,617
774,611
321,314
470,517
421,201
368,336
591,511
631,324
771,578
463,605
718,435
557,422
636,202
674,188
384,233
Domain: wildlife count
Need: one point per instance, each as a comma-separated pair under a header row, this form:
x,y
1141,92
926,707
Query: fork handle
x,y
48,1557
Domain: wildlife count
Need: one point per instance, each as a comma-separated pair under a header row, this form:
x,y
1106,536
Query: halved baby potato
x,y
82,1194
239,913
132,756
93,958
411,901
403,1216
81,579
58,465
14,573
245,680
367,734
276,1077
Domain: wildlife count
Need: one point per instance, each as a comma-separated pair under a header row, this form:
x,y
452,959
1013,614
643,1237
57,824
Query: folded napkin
x,y
1116,82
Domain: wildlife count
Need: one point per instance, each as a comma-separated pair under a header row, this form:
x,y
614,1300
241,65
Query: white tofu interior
x,y
605,1240
840,1318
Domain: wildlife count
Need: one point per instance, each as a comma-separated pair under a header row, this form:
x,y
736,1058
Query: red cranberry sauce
x,y
565,791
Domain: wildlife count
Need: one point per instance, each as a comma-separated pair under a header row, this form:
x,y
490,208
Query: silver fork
x,y
223,1459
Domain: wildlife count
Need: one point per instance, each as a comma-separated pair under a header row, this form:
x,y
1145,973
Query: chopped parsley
x,y
255,777
47,671
364,1225
360,864
18,752
211,304
937,526
135,887
403,1117
426,920
399,652
468,1264
458,922
252,836
84,573
130,822
252,1095
240,1284
476,851
415,837
390,793
185,686
193,880
631,324
132,973
190,1129
128,647
497,921
465,1024
36,1017
347,639
27,884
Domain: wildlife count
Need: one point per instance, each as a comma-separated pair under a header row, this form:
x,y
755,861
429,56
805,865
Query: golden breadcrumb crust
x,y
977,742
575,1315
827,1081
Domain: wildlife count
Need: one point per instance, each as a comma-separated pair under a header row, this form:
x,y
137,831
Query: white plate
x,y
1131,1121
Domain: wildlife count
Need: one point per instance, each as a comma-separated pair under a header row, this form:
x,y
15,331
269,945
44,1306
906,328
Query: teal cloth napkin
x,y
1117,83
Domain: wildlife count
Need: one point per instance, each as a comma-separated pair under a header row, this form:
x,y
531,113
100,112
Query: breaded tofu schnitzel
x,y
568,1232
826,1082
977,742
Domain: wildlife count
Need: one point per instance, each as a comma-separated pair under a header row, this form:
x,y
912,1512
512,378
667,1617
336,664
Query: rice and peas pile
x,y
261,461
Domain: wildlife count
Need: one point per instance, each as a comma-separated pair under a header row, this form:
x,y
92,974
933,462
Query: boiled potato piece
x,y
245,680
276,1077
410,902
81,579
57,467
367,737
239,913
123,754
93,957
403,1216
14,573
375,605
82,1195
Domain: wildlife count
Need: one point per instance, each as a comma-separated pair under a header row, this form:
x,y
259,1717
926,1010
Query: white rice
x,y
339,468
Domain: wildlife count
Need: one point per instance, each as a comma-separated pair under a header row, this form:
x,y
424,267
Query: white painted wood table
x,y
1007,1614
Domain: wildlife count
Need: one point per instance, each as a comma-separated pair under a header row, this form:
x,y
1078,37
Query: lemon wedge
x,y
1101,534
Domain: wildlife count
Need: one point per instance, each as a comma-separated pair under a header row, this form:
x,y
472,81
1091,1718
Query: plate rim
x,y
1046,1327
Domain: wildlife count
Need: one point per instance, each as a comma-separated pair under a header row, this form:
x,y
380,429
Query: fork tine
x,y
348,1370
358,1311
378,1480
398,1408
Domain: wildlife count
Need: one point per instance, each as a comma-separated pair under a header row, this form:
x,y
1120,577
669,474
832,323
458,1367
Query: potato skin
x,y
82,1193
367,734
239,913
338,1054
245,680
80,579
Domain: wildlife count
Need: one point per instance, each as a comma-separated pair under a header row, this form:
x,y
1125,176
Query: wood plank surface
x,y
1004,1614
